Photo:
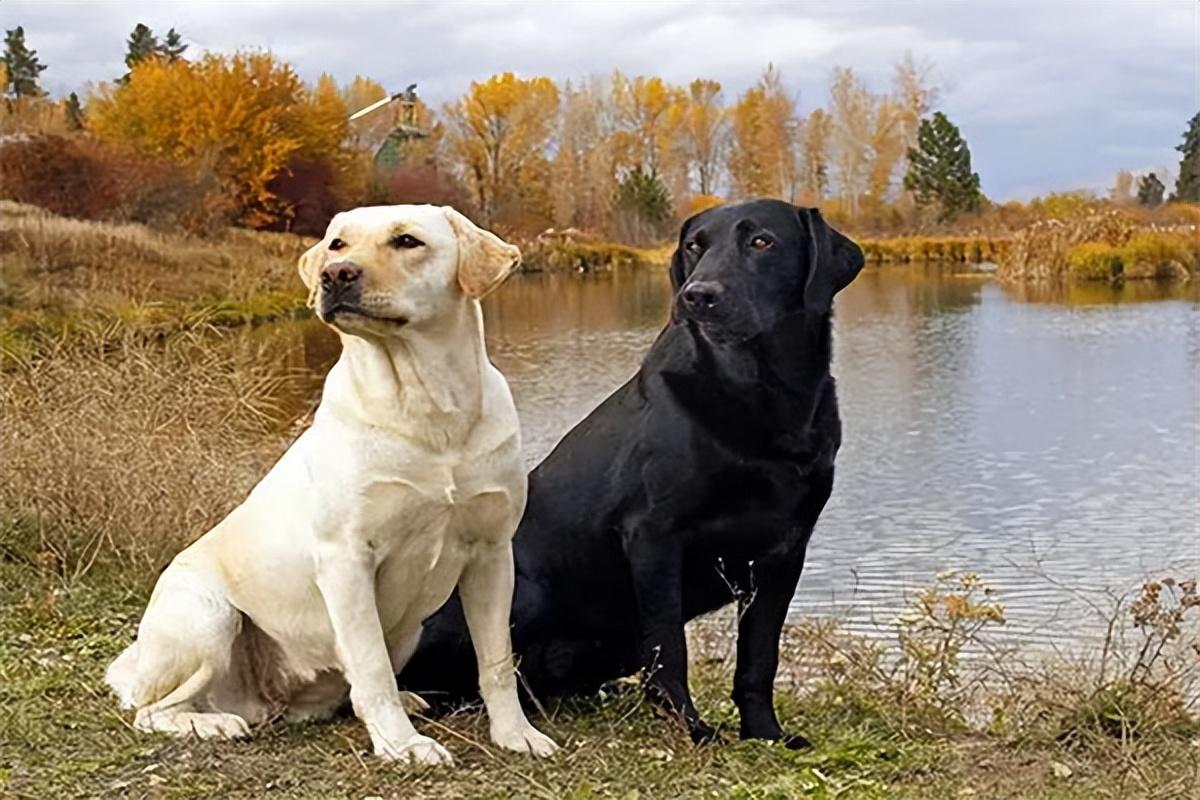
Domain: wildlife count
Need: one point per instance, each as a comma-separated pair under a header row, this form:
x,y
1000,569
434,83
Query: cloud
x,y
1049,95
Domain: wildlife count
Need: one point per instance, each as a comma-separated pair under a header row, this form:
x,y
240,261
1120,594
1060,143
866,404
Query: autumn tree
x,y
852,112
704,133
21,67
1187,185
247,117
914,95
499,132
648,113
368,132
814,156
1122,191
764,128
939,169
887,149
584,172
1150,191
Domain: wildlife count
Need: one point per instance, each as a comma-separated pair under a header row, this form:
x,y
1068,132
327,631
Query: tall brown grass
x,y
116,451
52,263
1111,246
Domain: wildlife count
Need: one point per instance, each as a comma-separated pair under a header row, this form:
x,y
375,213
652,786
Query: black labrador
x,y
694,485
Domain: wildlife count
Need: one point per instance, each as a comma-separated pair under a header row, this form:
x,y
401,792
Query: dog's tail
x,y
167,681
122,676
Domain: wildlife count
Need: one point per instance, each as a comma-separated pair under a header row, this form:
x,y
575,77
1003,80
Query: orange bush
x,y
247,115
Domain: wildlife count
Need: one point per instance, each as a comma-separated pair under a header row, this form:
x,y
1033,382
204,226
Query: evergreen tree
x,y
21,67
172,46
1150,191
645,194
1187,185
939,169
74,111
142,44
642,207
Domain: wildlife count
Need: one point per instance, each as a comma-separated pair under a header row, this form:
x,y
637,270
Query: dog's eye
x,y
693,247
761,243
336,244
406,241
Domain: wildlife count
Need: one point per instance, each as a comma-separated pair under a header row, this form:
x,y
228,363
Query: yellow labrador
x,y
408,483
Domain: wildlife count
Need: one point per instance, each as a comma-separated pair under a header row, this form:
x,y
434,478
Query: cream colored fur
x,y
408,484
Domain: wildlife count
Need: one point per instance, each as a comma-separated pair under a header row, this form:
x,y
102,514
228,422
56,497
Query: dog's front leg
x,y
658,586
761,618
486,587
346,579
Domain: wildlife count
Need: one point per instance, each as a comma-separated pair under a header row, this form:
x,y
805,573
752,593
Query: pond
x,y
1047,440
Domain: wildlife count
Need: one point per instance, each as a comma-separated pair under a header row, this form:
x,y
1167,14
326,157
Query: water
x,y
1049,441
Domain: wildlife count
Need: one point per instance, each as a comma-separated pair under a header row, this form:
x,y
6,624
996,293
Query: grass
x,y
933,249
61,734
59,274
1110,247
563,253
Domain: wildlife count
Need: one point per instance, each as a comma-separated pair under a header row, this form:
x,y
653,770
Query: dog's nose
x,y
342,272
702,295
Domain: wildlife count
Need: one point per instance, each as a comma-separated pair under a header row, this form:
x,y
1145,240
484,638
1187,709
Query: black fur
x,y
694,485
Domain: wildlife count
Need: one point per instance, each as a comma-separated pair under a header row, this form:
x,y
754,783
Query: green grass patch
x,y
62,735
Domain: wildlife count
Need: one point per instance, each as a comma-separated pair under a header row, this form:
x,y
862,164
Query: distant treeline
x,y
241,138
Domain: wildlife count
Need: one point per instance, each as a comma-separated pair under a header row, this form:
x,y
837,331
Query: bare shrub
x,y
78,176
420,183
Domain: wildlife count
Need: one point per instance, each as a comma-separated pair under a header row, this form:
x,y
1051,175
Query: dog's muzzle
x,y
702,301
341,289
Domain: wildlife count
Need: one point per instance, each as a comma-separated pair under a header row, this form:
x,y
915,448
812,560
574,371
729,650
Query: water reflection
x,y
1052,445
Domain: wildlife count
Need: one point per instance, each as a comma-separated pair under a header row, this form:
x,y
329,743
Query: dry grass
x,y
1111,246
933,249
569,253
54,265
118,450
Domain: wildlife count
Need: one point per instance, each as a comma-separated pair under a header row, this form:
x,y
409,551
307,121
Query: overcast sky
x,y
1050,95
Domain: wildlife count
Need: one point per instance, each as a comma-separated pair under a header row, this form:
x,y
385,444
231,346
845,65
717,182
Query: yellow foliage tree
x,y
814,156
583,179
245,116
499,132
762,161
649,113
704,129
367,133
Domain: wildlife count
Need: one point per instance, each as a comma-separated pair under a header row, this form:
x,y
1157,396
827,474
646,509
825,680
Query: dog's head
x,y
382,269
740,269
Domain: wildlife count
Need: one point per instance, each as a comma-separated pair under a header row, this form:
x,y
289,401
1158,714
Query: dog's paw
x,y
219,726
702,733
794,741
413,703
416,749
203,726
527,739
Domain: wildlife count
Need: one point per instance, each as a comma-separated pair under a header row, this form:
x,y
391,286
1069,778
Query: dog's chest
x,y
425,524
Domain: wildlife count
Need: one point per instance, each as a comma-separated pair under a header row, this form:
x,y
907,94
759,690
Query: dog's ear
x,y
834,260
310,268
678,268
484,259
